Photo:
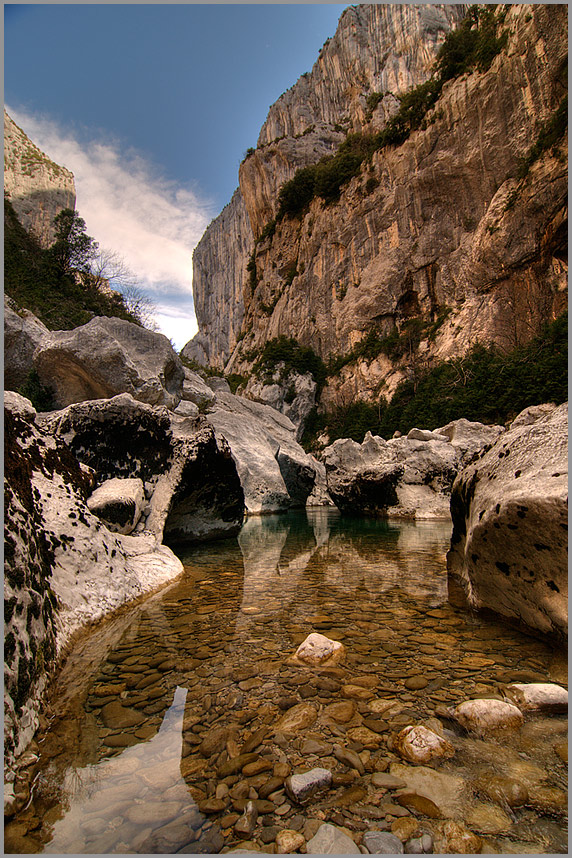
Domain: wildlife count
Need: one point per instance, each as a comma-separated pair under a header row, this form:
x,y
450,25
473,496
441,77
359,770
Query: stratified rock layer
x,y
510,526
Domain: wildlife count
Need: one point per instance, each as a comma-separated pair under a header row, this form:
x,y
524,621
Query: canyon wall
x,y
443,229
37,188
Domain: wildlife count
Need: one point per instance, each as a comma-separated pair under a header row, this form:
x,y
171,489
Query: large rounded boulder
x,y
106,357
510,526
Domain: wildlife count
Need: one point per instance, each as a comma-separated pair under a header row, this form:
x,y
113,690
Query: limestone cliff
x,y
445,229
37,188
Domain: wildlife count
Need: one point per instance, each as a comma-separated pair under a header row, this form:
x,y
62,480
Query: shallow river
x,y
152,708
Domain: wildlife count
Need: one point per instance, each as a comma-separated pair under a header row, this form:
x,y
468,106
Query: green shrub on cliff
x,y
486,385
473,45
44,281
290,356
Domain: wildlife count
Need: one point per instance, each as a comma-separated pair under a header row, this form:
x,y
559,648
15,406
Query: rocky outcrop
x,y
439,223
37,188
274,470
63,567
292,393
510,523
23,333
106,357
118,503
410,477
192,490
381,48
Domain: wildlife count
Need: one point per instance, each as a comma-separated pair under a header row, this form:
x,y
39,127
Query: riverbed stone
x,y
419,804
405,828
419,745
488,819
486,716
244,826
385,781
297,718
342,711
118,717
236,764
502,790
300,787
538,696
452,837
317,649
349,758
382,843
288,841
330,840
366,737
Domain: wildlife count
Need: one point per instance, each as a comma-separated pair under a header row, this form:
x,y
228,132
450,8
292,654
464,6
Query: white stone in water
x,y
487,716
544,696
330,840
317,649
418,744
301,786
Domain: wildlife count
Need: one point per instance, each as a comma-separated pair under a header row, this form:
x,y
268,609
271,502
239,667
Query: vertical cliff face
x,y
376,49
454,230
219,275
37,188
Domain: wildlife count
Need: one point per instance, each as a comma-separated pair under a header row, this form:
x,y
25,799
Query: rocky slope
x,y
37,188
440,232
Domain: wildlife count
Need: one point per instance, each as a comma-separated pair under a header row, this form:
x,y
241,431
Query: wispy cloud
x,y
151,222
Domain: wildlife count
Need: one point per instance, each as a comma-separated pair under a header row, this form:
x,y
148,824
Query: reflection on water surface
x,y
153,707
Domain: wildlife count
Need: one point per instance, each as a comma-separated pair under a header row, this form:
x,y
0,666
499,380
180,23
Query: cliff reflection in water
x,y
304,561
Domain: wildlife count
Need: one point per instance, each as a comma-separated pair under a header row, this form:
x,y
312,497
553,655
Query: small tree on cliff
x,y
72,250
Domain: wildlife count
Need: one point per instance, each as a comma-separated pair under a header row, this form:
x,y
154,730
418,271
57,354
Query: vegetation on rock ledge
x,y
486,385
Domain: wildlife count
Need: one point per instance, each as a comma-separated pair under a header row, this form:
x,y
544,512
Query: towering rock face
x,y
219,269
385,48
439,230
37,188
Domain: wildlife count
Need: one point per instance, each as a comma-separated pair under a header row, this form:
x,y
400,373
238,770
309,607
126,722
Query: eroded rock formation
x,y
108,356
510,526
410,476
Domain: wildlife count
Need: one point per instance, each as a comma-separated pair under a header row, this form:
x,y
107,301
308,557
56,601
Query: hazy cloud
x,y
152,223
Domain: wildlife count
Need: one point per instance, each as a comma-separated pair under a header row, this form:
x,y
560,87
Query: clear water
x,y
122,763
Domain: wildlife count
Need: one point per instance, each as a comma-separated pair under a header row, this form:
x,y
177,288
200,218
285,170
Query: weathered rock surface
x,y
23,333
37,188
63,567
191,483
419,745
303,786
274,470
219,268
538,696
409,476
118,503
331,840
293,394
437,230
509,509
108,356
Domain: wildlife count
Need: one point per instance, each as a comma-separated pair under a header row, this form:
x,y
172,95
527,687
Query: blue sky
x,y
152,107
